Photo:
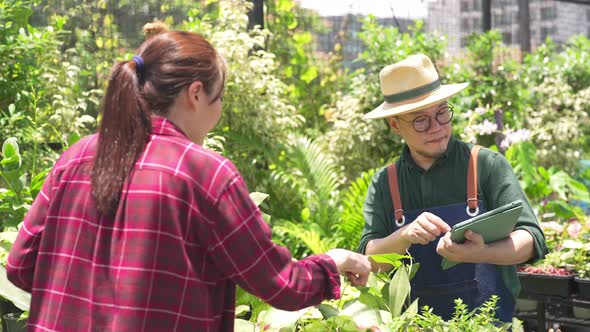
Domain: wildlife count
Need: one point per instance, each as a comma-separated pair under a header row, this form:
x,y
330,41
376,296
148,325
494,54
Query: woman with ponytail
x,y
140,228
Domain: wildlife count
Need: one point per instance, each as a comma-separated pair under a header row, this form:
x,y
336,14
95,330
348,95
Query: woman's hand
x,y
354,266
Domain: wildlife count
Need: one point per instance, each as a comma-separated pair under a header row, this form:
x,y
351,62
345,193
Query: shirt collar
x,y
407,160
165,127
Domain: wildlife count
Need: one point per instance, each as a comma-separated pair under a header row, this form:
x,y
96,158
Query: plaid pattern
x,y
185,233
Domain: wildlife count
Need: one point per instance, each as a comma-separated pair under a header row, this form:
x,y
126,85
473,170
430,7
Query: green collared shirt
x,y
445,183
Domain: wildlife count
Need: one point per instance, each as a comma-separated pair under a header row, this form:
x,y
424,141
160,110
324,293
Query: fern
x,y
313,237
352,221
523,157
316,178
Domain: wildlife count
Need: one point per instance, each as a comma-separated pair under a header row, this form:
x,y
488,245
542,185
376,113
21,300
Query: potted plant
x,y
546,280
578,253
15,322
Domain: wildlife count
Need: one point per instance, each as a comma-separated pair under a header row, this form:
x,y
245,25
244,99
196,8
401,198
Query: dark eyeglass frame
x,y
450,108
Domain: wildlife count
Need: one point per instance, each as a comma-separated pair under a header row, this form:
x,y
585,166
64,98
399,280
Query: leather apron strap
x,y
394,191
471,185
472,178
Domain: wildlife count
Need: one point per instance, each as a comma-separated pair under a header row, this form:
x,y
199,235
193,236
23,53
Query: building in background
x,y
548,18
344,30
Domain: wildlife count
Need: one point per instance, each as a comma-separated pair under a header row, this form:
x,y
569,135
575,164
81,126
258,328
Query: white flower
x,y
513,137
485,128
481,110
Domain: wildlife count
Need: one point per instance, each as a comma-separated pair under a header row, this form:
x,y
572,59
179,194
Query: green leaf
x,y
279,319
571,244
327,310
10,148
392,259
292,25
258,197
266,217
242,310
21,15
19,297
241,325
73,138
371,300
37,182
362,314
310,74
399,290
305,214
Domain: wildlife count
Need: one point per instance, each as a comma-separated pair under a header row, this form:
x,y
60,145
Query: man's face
x,y
423,132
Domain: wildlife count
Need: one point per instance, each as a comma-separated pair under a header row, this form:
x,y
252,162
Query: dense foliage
x,y
292,120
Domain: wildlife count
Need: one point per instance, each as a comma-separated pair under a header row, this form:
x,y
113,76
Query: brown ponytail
x,y
123,133
171,62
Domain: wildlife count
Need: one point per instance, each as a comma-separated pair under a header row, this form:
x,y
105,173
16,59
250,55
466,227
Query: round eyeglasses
x,y
423,122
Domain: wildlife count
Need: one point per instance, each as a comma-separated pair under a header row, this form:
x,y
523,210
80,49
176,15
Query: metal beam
x,y
486,11
524,24
579,2
256,14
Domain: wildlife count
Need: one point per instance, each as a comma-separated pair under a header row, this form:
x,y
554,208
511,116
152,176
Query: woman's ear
x,y
194,95
195,91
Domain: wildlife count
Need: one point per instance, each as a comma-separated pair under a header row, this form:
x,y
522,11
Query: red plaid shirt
x,y
185,233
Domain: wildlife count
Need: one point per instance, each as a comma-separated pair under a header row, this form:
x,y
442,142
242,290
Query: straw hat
x,y
411,85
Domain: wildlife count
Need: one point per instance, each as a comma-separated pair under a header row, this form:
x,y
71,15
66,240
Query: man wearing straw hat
x,y
412,204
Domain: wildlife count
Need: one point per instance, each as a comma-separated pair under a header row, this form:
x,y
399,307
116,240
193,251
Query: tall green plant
x,y
257,115
495,92
19,188
311,78
352,221
316,180
551,188
560,102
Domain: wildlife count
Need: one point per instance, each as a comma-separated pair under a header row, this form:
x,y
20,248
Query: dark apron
x,y
438,288
473,283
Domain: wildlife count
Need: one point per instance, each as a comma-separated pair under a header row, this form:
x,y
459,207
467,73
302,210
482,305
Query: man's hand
x,y
471,251
425,229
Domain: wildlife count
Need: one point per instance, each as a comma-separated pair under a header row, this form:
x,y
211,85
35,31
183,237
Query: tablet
x,y
494,225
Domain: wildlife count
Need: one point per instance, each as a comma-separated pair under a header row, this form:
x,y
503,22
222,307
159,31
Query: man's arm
x,y
376,238
423,230
525,244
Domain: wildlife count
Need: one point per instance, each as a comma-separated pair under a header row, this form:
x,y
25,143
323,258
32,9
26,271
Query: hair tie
x,y
139,61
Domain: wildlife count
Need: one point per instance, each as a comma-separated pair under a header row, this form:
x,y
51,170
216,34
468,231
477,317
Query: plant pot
x,y
526,305
13,324
581,312
546,284
7,307
583,285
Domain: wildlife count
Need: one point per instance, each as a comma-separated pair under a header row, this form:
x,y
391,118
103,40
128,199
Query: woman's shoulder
x,y
80,152
185,159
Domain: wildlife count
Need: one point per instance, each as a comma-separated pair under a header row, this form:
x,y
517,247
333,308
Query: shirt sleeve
x,y
374,213
241,248
502,187
20,266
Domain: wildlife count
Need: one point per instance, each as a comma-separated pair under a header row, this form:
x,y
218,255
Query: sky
x,y
379,8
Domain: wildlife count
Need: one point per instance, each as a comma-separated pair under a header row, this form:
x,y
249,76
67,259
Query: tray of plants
x,y
546,280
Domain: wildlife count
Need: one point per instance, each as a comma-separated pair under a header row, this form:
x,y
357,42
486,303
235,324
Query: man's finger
x,y
473,237
429,227
438,222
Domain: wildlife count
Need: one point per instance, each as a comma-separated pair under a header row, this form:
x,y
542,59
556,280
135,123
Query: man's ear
x,y
393,123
